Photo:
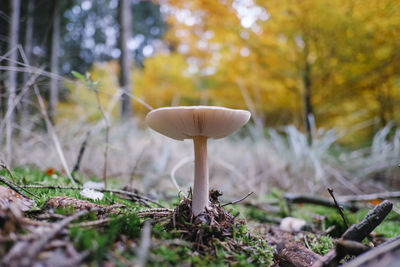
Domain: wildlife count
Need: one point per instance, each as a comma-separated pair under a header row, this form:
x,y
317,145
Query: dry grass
x,y
238,164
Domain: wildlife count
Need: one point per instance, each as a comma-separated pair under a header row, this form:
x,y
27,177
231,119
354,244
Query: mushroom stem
x,y
200,188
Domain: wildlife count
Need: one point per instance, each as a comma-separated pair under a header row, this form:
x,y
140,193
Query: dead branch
x,y
349,247
16,187
368,197
237,201
133,195
384,250
358,232
298,198
330,190
95,223
374,217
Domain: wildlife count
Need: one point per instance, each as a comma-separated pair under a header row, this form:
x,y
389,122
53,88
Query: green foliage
x,y
99,242
283,206
91,85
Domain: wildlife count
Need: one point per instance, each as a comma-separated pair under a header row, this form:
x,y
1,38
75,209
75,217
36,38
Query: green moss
x,y
331,217
320,244
247,251
97,243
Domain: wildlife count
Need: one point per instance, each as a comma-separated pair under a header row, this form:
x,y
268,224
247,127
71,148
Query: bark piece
x,y
290,252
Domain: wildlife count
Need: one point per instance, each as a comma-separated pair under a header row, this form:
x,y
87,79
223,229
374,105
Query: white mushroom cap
x,y
185,122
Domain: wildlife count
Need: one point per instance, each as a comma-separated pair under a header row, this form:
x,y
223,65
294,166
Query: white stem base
x,y
200,189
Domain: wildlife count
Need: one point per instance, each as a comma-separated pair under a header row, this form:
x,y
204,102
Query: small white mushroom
x,y
198,123
291,224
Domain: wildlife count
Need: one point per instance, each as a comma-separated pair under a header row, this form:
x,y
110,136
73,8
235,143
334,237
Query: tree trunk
x,y
307,106
12,75
28,53
55,45
125,59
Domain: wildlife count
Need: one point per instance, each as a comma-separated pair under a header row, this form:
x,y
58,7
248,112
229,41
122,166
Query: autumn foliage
x,y
336,60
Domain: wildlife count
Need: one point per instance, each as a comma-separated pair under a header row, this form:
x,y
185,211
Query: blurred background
x,y
320,77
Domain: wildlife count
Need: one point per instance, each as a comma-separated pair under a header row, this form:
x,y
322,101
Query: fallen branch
x,y
133,195
237,201
367,259
358,232
298,198
16,187
349,247
368,197
96,223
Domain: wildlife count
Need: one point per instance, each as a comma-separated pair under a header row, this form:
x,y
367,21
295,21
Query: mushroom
x,y
198,123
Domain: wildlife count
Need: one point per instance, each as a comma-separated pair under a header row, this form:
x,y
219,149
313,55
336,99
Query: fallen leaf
x,y
50,172
375,201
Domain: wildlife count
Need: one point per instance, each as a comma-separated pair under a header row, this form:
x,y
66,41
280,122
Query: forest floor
x,y
55,225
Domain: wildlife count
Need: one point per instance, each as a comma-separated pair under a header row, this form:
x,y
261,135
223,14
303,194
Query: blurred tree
x,y
125,33
55,47
12,73
28,45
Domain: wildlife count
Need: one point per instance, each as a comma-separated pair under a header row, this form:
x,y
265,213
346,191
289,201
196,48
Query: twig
x,y
16,187
239,200
358,232
52,132
92,223
107,124
81,152
135,196
330,190
4,166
